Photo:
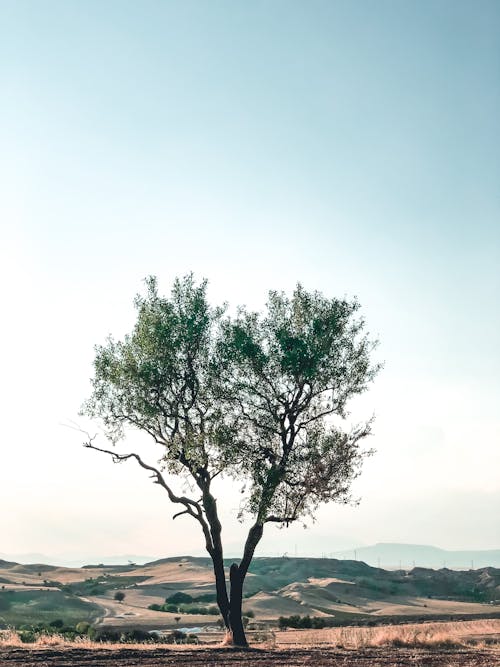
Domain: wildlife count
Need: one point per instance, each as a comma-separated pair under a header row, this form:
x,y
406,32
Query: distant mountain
x,y
383,554
407,556
73,560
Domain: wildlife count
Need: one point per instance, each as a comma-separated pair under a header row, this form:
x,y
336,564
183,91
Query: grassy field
x,y
341,592
460,644
440,634
31,607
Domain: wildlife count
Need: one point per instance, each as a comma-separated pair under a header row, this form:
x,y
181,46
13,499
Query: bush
x,y
119,596
206,597
136,635
192,609
83,628
179,598
285,622
177,637
104,635
156,607
58,623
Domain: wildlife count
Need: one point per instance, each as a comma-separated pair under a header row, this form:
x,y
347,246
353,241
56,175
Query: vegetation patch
x,y
101,585
35,607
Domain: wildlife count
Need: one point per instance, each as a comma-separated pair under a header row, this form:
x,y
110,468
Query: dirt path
x,y
133,657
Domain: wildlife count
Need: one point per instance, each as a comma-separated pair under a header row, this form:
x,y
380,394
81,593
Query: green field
x,y
33,607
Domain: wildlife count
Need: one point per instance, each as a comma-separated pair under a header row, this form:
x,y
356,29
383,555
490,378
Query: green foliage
x,y
83,628
104,635
247,396
206,597
304,622
135,636
28,636
101,585
185,608
293,366
38,607
179,598
5,602
119,596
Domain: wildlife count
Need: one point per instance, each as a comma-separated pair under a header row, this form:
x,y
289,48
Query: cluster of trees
x,y
285,622
31,633
185,608
261,398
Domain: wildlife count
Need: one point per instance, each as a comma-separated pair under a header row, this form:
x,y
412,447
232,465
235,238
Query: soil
x,y
211,657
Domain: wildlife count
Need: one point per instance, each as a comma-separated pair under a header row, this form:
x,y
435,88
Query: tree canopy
x,y
259,397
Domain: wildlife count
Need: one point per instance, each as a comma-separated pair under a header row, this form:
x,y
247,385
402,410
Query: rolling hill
x,y
340,590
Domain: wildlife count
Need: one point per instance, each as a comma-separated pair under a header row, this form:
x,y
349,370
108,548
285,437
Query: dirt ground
x,y
211,657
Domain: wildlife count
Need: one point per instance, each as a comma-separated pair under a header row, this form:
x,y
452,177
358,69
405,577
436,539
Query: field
x,y
373,617
460,644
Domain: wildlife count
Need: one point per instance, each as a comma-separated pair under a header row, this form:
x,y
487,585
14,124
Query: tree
x,y
260,398
119,596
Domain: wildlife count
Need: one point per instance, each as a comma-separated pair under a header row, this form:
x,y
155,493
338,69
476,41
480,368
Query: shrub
x,y
206,597
176,637
83,628
104,635
136,635
179,598
58,623
297,621
119,596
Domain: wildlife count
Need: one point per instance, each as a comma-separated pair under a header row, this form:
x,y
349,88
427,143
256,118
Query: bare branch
x,y
280,519
193,508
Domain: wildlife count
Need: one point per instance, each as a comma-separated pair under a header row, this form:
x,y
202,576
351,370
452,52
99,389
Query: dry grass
x,y
481,633
445,634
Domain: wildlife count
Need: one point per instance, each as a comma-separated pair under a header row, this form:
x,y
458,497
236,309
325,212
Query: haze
x,y
350,146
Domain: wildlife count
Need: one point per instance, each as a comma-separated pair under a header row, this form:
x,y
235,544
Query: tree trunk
x,y
235,600
221,588
229,606
237,573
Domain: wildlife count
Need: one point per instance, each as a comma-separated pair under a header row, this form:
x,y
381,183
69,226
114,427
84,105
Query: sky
x,y
351,146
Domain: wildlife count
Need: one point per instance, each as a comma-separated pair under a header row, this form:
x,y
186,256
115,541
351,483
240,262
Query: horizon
x,y
360,553
352,147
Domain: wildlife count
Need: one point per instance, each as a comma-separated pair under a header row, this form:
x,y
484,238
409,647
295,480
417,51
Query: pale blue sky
x,y
350,145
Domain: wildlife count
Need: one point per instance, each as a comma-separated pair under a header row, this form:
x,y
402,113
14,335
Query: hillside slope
x,y
343,589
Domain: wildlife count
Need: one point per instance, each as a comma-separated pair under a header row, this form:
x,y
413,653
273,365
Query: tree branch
x,y
280,519
193,508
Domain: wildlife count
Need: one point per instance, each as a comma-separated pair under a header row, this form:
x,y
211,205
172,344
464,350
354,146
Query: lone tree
x,y
119,596
261,398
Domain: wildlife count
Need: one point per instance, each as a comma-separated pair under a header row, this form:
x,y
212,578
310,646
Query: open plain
x,y
452,644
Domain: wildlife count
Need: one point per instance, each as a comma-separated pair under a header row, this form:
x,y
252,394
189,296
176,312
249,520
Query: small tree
x,y
261,398
119,596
